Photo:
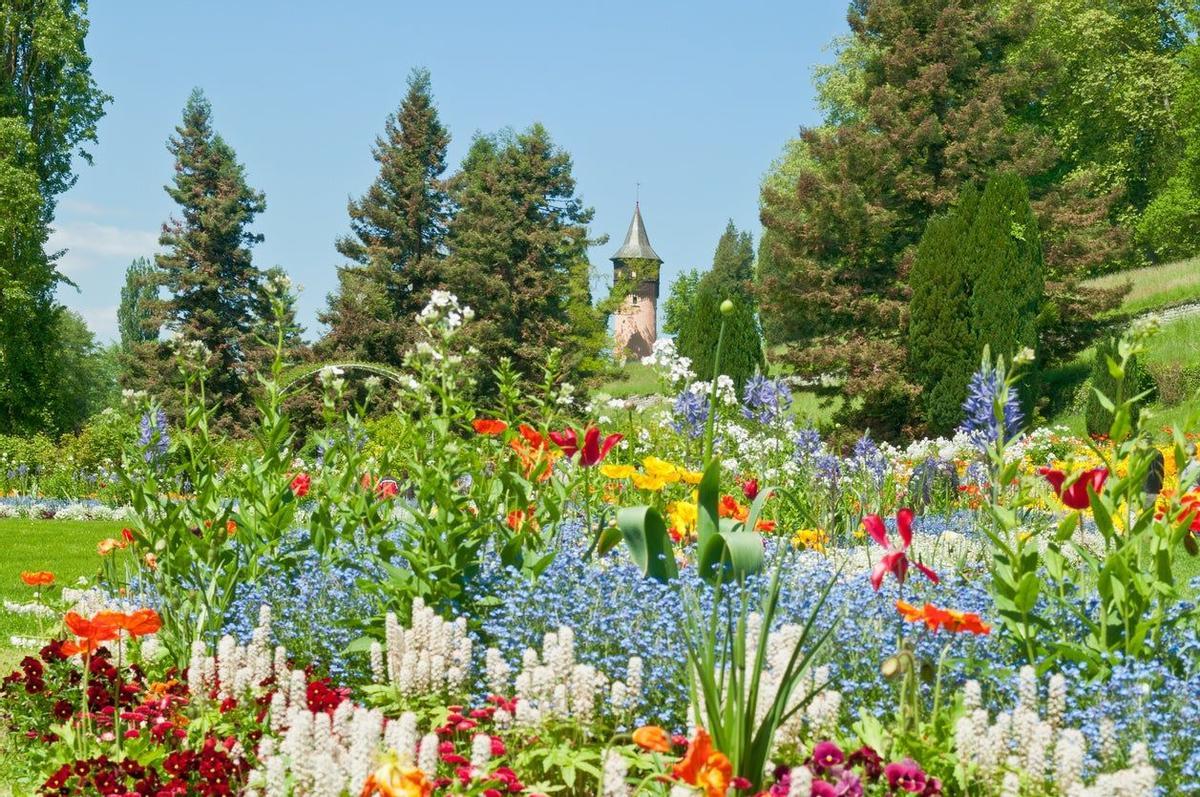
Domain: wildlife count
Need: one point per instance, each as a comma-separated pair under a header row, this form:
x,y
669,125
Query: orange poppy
x,y
704,767
652,738
489,426
947,619
141,622
730,508
38,578
90,632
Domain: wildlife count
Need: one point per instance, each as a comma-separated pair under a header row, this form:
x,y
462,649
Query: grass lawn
x,y
1175,346
66,548
1156,286
635,379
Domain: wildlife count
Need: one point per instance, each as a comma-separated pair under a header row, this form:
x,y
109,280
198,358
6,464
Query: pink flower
x,y
895,561
905,775
826,755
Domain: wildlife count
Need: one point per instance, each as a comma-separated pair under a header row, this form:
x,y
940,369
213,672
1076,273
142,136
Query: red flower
x,y
1076,495
895,561
750,489
489,426
300,484
38,578
592,451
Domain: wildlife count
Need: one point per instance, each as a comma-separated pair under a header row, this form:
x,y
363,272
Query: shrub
x,y
1170,225
1098,418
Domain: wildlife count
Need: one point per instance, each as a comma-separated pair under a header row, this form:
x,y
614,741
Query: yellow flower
x,y
681,516
691,476
644,481
661,469
813,539
393,779
617,471
107,546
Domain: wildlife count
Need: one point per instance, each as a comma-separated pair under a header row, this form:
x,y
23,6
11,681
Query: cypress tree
x,y
682,297
730,278
941,346
518,254
1008,282
212,284
397,231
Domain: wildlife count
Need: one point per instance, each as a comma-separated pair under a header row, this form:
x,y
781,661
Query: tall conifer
x,y
730,278
518,253
213,288
397,229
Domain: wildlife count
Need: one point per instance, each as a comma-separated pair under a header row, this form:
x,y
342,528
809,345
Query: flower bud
x,y
726,307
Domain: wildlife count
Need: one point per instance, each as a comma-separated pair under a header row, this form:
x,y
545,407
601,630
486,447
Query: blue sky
x,y
692,100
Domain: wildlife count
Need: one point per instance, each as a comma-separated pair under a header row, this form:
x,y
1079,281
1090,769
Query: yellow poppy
x,y
644,481
617,471
661,469
691,476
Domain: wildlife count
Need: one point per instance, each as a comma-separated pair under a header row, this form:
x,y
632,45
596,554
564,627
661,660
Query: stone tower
x,y
636,324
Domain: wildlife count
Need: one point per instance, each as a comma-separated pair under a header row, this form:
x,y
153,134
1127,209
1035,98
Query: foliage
x,y
1104,385
213,288
518,254
1007,285
135,314
680,301
730,279
844,227
396,240
941,348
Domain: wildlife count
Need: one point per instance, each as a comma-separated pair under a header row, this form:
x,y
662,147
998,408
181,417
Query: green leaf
x,y
731,553
707,503
645,535
1027,592
608,539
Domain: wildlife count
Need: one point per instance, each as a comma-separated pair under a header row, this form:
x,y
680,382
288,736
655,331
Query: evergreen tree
x,y
941,346
396,239
136,313
213,288
730,278
929,100
680,300
518,254
1007,285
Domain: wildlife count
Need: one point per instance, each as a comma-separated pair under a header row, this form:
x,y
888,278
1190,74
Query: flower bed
x,y
688,596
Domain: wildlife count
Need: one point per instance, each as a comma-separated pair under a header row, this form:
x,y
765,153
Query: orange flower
x,y
534,453
90,632
948,619
38,578
107,546
520,519
652,738
704,767
489,426
141,622
393,780
730,508
231,527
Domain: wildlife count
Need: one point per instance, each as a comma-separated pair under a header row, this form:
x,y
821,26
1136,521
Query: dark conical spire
x,y
637,243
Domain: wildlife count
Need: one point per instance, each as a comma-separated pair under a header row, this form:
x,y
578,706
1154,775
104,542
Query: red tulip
x,y
1076,495
300,485
896,560
750,489
592,451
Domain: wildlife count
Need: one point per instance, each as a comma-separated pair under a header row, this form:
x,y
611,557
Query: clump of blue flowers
x,y
765,400
979,415
154,435
691,414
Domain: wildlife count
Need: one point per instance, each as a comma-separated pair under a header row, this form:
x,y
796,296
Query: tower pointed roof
x,y
637,243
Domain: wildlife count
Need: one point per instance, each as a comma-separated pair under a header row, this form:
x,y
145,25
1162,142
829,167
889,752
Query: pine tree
x,y
213,288
1008,281
518,254
730,278
136,313
396,239
942,353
